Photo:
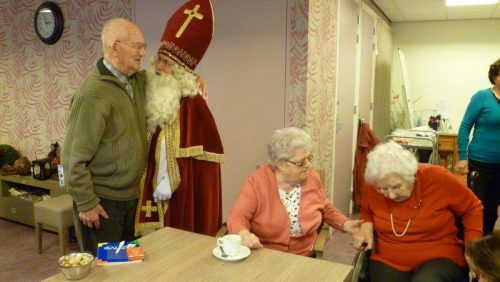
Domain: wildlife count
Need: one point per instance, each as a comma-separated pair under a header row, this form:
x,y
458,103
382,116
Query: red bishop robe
x,y
194,153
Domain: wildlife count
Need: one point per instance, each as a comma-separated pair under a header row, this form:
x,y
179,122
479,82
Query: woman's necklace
x,y
417,207
399,235
404,231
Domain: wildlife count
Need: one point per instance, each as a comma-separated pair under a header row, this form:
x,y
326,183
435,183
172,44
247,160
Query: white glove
x,y
163,191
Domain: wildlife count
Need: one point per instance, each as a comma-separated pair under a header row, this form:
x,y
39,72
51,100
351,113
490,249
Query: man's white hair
x,y
115,29
164,91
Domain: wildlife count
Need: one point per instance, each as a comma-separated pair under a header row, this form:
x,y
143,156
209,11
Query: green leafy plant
x,y
8,155
398,113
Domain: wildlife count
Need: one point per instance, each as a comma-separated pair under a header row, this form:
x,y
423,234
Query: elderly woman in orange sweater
x,y
410,208
282,204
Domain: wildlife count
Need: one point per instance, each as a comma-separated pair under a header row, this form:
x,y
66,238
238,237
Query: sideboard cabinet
x,y
19,208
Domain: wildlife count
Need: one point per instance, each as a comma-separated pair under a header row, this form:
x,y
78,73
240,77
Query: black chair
x,y
361,261
360,271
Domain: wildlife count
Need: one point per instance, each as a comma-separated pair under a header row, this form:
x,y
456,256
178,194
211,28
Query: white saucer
x,y
243,253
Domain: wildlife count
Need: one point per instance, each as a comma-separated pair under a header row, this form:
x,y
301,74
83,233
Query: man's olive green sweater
x,y
105,148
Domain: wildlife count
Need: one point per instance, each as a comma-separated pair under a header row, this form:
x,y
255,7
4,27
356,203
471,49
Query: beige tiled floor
x,y
338,248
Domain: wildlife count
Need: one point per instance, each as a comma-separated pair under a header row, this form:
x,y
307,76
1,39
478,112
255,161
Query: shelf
x,y
28,180
20,209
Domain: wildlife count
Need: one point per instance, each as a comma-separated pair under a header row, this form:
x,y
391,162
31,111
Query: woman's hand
x,y
461,167
351,226
363,237
249,239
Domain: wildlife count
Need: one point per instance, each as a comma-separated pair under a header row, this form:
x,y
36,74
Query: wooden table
x,y
176,255
447,147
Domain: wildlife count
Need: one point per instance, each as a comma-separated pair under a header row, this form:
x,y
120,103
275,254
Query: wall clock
x,y
49,22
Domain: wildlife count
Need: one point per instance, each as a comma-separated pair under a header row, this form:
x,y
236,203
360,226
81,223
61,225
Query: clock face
x,y
36,170
49,22
45,23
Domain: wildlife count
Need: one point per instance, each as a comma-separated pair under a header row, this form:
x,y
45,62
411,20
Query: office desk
x,y
176,255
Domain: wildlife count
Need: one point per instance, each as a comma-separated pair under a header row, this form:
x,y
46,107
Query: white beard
x,y
163,94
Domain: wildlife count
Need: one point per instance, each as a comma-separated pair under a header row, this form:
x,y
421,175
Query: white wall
x,y
446,61
245,71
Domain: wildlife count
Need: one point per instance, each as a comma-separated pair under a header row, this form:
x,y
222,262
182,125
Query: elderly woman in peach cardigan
x,y
282,204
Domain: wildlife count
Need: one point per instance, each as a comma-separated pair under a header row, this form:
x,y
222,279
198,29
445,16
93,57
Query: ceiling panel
x,y
424,14
395,15
432,10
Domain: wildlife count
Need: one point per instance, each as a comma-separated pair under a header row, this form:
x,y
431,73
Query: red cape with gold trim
x,y
195,151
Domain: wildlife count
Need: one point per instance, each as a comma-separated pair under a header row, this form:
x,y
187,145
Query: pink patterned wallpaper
x,y
313,49
37,80
297,54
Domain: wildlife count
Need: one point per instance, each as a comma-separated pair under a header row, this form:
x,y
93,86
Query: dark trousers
x,y
436,270
487,188
118,227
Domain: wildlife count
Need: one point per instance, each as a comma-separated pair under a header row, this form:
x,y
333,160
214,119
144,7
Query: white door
x,y
346,89
366,65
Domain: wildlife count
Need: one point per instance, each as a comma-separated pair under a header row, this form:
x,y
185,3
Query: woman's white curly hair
x,y
390,159
285,142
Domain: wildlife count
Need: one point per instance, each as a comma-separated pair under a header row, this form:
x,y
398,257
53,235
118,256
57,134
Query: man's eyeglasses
x,y
302,163
136,45
389,189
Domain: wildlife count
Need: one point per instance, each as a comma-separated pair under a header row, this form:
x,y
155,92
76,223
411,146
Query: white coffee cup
x,y
230,243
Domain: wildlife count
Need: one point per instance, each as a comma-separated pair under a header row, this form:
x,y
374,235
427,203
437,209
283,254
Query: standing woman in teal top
x,y
482,153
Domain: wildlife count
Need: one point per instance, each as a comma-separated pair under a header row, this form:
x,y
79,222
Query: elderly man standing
x,y
181,187
106,140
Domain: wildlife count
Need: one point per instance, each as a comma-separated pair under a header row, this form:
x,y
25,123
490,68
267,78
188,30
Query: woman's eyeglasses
x,y
389,189
302,163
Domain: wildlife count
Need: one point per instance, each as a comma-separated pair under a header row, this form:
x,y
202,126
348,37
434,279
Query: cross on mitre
x,y
191,14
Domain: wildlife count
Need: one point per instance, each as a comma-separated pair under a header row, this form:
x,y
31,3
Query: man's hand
x,y
203,86
162,191
91,217
461,167
363,237
249,239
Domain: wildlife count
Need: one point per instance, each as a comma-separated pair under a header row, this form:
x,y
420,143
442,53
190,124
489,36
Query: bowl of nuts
x,y
75,266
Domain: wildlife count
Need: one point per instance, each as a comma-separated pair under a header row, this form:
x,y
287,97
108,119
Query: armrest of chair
x,y
222,231
319,245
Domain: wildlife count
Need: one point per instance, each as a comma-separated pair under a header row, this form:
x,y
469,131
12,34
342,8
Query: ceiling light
x,y
470,2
